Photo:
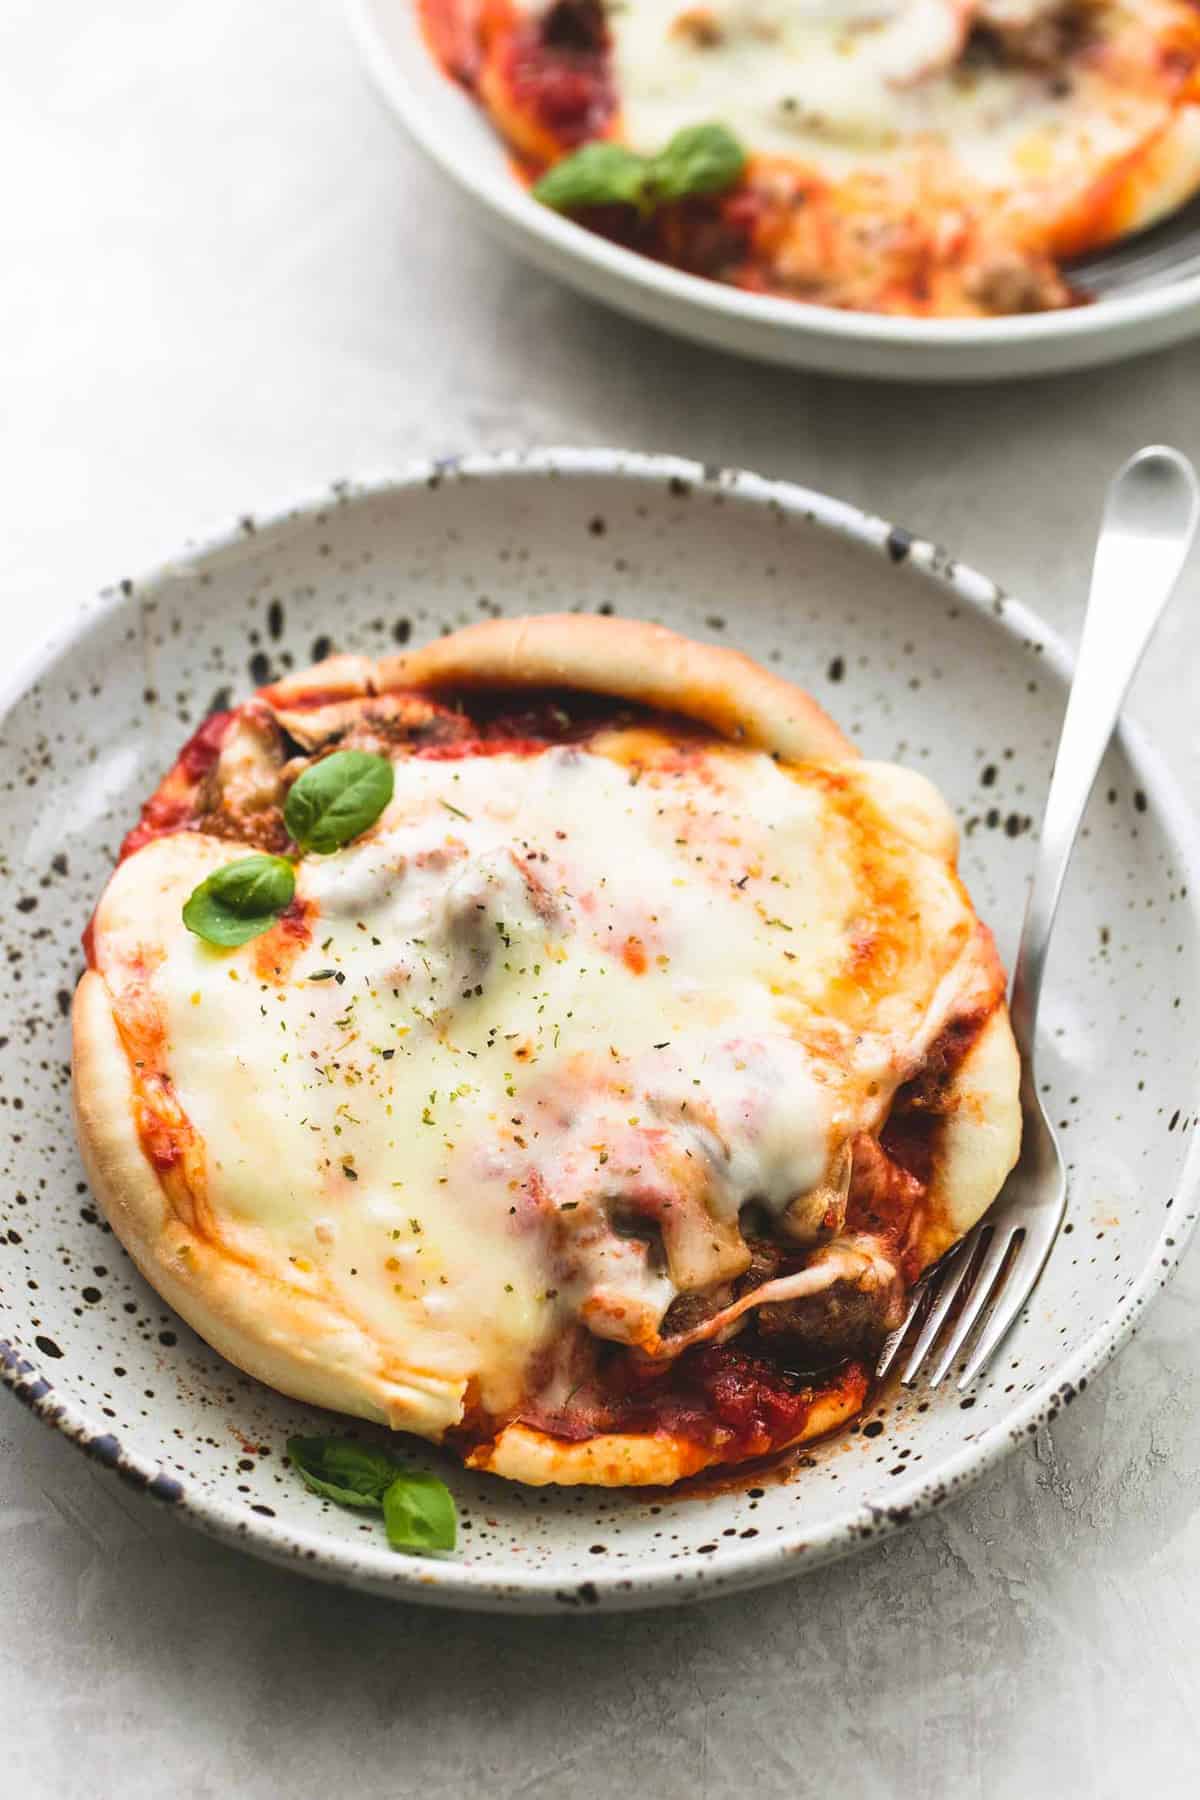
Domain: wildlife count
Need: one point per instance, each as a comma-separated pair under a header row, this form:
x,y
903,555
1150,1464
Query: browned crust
x,y
980,1138
626,658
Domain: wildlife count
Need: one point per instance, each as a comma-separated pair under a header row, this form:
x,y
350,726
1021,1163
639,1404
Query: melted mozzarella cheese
x,y
560,1018
844,84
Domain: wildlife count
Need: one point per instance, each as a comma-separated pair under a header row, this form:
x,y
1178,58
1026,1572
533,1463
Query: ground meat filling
x,y
751,1395
1040,33
847,1320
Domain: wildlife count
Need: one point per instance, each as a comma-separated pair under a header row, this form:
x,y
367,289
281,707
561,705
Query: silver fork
x,y
1166,252
1149,523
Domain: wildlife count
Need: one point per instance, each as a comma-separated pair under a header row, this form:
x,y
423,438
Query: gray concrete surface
x,y
224,279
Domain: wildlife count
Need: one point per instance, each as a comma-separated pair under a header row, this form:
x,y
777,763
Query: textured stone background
x,y
226,279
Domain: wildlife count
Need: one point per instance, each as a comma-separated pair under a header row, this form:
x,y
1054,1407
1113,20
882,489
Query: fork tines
x,y
969,1287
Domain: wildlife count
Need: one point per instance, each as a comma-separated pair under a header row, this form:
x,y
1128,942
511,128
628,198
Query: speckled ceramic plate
x,y
918,657
455,134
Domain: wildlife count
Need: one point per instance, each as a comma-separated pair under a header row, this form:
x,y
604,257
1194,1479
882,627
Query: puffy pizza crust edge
x,y
627,658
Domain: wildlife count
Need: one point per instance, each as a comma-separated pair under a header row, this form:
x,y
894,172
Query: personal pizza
x,y
556,1042
927,157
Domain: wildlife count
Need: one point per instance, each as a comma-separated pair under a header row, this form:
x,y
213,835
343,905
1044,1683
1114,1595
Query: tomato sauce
x,y
275,952
455,749
202,749
730,1397
162,1138
174,805
294,923
633,955
161,814
720,1385
564,85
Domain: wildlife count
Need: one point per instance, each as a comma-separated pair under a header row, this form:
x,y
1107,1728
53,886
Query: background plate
x,y
919,658
457,136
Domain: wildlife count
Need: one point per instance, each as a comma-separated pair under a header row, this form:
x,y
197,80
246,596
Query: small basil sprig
x,y
599,174
419,1514
342,1469
237,902
331,803
701,159
418,1510
338,799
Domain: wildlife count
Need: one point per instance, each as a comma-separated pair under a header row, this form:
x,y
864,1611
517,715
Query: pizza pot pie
x,y
934,158
556,1042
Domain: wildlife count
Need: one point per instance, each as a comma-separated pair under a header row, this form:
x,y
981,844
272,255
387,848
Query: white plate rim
x,y
572,243
445,1582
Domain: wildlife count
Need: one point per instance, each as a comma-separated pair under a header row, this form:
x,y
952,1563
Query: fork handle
x,y
1149,523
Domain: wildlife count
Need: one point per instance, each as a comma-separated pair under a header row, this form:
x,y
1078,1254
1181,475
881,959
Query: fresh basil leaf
x,y
344,1470
701,159
338,799
419,1513
241,900
600,174
418,1510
